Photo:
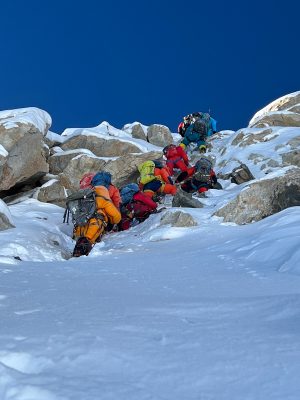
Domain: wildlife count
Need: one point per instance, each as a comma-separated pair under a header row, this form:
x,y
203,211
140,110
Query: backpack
x,y
82,206
158,164
146,171
201,124
128,191
203,169
102,178
86,180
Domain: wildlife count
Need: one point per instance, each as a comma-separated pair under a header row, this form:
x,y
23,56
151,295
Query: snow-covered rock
x,y
6,220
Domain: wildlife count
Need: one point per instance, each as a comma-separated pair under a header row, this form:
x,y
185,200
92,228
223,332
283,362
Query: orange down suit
x,y
108,214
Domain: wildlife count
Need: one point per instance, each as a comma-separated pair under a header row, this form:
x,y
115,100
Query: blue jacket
x,y
194,137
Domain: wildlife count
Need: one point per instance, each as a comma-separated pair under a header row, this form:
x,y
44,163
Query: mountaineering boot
x,y
82,248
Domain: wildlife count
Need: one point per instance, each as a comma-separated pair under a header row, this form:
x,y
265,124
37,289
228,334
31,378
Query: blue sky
x,y
148,61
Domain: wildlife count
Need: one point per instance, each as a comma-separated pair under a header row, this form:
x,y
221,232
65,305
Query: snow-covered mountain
x,y
159,311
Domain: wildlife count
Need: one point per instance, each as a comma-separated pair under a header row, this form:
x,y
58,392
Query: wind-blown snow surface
x,y
154,313
210,312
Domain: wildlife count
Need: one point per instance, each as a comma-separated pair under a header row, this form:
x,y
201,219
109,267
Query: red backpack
x,y
85,181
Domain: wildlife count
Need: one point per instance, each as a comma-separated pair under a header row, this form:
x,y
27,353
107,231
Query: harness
x,y
173,161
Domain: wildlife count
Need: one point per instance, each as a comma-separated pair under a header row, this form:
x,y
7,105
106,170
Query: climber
x,y
104,212
136,206
113,191
176,158
202,177
203,127
155,179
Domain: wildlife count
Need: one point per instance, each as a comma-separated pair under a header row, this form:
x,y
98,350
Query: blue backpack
x,y
128,191
102,178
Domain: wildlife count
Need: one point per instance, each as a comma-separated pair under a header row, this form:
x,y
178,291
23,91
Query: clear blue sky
x,y
150,61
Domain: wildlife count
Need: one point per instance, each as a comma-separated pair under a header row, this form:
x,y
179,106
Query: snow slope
x,y
210,312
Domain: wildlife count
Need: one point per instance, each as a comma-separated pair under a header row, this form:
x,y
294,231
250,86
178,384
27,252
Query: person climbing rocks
x,y
155,179
198,132
202,177
104,212
114,193
176,158
135,206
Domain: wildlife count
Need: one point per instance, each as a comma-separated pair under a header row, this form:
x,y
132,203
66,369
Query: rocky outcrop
x,y
281,112
241,174
159,135
184,199
52,192
138,132
123,169
178,219
77,167
58,162
283,118
99,146
263,198
22,136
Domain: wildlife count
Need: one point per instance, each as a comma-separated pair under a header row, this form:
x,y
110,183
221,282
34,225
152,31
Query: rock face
x,y
284,111
178,219
22,136
58,162
100,147
283,118
159,135
264,198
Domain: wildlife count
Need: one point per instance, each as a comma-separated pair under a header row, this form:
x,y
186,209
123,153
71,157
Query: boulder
x,y
241,174
77,167
263,198
23,159
99,146
159,135
52,192
138,132
123,169
291,158
184,199
58,162
178,219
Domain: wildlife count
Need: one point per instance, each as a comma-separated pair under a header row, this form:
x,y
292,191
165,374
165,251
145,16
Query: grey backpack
x,y
201,124
82,207
203,168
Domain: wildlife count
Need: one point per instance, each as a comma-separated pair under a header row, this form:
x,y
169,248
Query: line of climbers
x,y
100,207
